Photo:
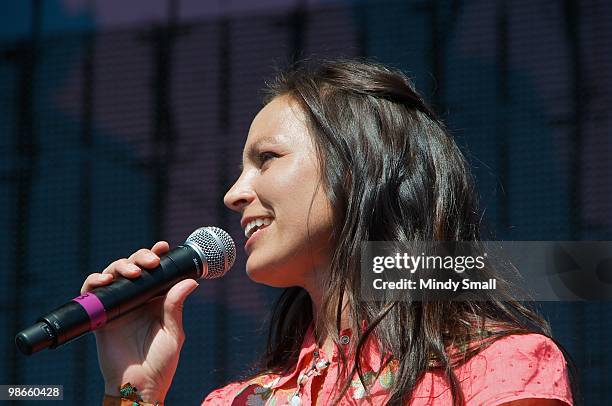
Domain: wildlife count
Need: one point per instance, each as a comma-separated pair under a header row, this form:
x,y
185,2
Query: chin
x,y
269,277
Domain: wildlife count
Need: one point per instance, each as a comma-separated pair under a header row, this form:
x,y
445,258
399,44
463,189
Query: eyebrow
x,y
251,151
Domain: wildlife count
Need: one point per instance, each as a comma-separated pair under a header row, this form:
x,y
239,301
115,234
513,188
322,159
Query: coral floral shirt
x,y
514,367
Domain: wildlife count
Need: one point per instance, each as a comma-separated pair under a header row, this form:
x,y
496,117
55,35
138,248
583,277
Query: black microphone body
x,y
93,309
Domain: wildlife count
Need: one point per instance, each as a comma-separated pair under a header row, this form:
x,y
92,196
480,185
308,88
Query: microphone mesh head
x,y
218,249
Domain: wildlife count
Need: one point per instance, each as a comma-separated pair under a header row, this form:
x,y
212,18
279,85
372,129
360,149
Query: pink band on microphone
x,y
94,308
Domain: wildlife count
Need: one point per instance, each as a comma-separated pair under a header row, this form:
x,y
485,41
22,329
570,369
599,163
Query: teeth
x,y
253,225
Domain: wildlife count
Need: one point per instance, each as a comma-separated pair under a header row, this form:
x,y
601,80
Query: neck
x,y
318,292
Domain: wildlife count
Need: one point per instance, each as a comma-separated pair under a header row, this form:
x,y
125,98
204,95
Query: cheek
x,y
290,255
288,187
304,204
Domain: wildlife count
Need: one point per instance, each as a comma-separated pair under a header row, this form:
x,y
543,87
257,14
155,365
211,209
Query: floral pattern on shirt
x,y
514,367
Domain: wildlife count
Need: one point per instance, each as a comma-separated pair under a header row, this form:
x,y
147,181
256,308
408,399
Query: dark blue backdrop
x,y
114,137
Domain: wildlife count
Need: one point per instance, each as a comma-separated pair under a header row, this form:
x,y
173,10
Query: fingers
x,y
120,268
173,306
160,248
96,280
127,267
144,258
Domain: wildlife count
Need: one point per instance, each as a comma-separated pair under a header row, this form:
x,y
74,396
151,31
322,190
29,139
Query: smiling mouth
x,y
257,230
256,225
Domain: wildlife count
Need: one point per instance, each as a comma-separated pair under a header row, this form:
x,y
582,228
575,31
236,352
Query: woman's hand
x,y
143,346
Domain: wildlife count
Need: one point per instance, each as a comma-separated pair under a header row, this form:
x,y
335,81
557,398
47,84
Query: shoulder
x,y
224,395
247,390
519,366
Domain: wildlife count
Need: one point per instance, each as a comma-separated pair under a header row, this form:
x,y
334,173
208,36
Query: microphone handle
x,y
93,309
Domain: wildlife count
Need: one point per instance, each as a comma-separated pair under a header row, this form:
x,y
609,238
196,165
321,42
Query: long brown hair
x,y
392,172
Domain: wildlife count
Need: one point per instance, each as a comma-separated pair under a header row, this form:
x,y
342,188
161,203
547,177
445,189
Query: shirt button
x,y
344,340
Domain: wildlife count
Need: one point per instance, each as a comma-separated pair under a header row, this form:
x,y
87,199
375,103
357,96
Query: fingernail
x,y
151,257
134,267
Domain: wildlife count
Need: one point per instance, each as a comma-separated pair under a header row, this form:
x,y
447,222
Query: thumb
x,y
173,306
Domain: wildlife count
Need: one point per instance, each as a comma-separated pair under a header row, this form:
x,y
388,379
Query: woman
x,y
345,152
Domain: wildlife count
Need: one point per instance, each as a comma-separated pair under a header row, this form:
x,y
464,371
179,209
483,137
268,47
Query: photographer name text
x,y
433,284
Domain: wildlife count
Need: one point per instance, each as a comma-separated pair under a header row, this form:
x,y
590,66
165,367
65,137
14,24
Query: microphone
x,y
208,252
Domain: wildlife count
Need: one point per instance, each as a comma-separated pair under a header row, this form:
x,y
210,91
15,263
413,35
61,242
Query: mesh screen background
x,y
112,140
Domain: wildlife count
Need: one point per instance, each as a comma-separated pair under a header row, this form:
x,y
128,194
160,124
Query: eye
x,y
265,156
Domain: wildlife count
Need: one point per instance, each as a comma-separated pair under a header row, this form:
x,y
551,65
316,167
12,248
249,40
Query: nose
x,y
239,195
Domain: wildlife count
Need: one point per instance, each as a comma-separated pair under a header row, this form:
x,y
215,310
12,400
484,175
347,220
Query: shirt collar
x,y
371,358
306,353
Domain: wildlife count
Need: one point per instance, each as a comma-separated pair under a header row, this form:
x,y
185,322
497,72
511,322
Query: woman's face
x,y
286,215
